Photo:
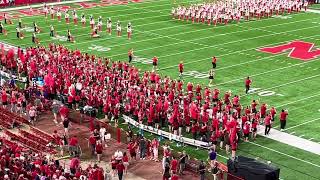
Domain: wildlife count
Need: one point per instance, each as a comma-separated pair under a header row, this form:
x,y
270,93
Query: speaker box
x,y
251,169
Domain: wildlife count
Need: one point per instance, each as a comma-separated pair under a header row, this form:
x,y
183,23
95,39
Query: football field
x,y
284,79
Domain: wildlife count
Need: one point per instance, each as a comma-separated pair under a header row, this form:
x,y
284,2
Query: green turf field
x,y
279,80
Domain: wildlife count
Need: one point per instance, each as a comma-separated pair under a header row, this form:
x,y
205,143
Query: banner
x,y
9,76
167,135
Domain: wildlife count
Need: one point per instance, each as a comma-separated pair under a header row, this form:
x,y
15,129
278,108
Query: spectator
x,y
202,170
155,149
120,169
212,157
142,147
32,114
166,173
92,141
283,119
174,165
182,162
74,164
74,146
99,149
55,111
125,160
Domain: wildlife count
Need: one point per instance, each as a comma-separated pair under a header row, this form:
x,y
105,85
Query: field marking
x,y
311,139
301,124
293,132
180,25
212,46
301,136
292,157
292,102
269,72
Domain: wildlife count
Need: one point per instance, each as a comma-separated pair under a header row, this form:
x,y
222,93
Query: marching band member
x,y
75,17
69,36
91,22
129,30
83,20
20,23
45,10
34,39
109,26
1,28
100,23
6,19
66,16
52,13
95,32
119,28
52,31
59,15
36,29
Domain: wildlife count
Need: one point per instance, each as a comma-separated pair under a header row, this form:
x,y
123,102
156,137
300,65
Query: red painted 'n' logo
x,y
298,50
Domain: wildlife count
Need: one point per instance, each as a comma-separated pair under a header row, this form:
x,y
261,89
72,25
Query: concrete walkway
x,y
291,140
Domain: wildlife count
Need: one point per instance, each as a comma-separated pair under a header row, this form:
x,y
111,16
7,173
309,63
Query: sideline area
x,y
291,140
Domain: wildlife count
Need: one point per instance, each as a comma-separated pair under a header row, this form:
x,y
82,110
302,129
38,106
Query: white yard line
x,y
235,52
287,155
305,122
292,102
206,47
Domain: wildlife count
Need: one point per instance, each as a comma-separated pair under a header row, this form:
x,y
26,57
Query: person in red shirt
x,y
283,119
174,165
273,113
120,168
73,145
267,123
246,131
92,141
214,62
125,160
248,82
181,67
99,149
254,128
194,130
174,176
155,63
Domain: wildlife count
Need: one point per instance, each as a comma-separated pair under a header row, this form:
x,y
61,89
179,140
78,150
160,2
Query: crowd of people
x,y
96,27
116,87
223,12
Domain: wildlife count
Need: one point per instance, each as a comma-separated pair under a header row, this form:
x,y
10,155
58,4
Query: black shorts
x,y
210,77
246,135
215,142
150,123
5,103
214,65
116,116
254,130
154,64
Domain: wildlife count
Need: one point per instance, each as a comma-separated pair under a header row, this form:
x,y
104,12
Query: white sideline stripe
x,y
292,157
306,122
313,11
212,46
